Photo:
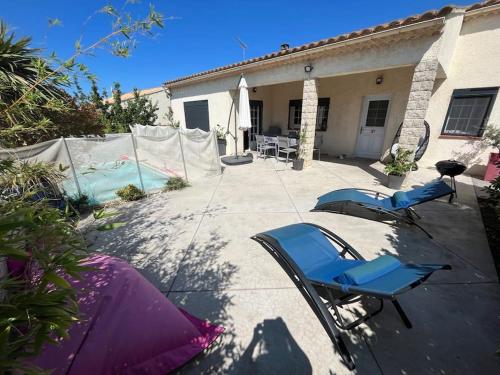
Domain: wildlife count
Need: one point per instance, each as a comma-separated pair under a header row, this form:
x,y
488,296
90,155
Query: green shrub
x,y
492,136
39,306
20,177
130,193
401,164
494,192
77,205
175,183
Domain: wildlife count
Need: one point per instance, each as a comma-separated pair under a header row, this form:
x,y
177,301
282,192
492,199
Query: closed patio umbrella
x,y
243,123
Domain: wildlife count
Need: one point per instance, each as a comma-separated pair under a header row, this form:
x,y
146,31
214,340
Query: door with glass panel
x,y
372,128
256,121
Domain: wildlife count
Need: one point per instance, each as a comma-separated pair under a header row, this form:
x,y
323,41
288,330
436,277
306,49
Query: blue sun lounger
x,y
330,275
399,206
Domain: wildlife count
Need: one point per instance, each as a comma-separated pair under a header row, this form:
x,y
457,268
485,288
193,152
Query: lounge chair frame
x,y
316,293
407,215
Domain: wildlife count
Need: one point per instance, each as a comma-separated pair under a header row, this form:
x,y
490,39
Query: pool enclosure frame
x,y
170,152
138,164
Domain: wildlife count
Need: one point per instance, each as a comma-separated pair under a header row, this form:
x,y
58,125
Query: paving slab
x,y
223,242
315,175
191,200
271,331
455,330
265,177
255,198
459,228
152,240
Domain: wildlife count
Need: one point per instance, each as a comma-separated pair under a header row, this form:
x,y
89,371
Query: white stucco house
x,y
442,67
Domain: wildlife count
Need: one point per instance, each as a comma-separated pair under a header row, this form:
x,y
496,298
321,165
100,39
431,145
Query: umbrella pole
x,y
236,130
235,160
235,137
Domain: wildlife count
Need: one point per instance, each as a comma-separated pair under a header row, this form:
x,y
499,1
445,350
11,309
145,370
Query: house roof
x,y
427,16
130,95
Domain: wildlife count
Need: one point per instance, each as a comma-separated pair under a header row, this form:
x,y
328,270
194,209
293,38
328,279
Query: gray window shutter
x,y
196,114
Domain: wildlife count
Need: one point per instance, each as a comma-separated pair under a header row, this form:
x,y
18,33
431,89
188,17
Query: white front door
x,y
372,128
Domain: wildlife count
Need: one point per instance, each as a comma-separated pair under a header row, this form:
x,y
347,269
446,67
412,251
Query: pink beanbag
x,y
127,326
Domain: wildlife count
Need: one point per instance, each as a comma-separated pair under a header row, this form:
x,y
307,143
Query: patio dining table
x,y
292,142
273,141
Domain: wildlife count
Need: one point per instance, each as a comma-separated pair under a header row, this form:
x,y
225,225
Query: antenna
x,y
243,46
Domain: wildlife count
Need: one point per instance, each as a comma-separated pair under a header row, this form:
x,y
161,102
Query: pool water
x,y
100,182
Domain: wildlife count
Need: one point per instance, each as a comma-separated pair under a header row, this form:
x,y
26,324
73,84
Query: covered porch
x,y
356,115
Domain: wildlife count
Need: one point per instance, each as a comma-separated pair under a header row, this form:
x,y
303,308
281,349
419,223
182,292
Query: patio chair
x,y
399,206
330,274
263,146
284,147
423,142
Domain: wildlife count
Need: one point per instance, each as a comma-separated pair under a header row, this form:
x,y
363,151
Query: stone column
x,y
308,119
418,102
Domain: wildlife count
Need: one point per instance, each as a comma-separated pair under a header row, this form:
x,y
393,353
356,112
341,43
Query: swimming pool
x,y
101,181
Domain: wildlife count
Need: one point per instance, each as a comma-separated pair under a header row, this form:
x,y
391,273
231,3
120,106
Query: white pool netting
x,y
97,167
193,150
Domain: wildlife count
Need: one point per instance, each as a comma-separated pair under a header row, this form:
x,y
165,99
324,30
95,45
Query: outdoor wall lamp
x,y
254,89
379,80
308,68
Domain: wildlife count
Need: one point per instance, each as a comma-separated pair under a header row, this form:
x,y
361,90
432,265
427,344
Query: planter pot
x,y
222,143
298,164
395,182
493,168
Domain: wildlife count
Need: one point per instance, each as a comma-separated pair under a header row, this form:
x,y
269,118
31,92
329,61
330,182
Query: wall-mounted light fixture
x,y
254,89
379,80
308,68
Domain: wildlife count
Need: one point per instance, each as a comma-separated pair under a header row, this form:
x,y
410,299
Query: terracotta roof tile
x,y
427,16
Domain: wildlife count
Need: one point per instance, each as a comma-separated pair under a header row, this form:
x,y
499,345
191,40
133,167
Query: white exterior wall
x,y
475,64
219,96
161,99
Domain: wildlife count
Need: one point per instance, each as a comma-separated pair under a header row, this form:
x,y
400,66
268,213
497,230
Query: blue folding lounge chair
x,y
399,206
331,274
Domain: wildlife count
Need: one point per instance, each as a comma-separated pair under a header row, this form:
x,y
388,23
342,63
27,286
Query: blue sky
x,y
202,34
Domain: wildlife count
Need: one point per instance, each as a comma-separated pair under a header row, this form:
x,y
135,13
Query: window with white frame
x,y
294,114
322,116
468,112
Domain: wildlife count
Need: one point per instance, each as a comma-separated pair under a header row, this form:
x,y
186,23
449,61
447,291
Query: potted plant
x,y
398,168
298,163
221,140
492,137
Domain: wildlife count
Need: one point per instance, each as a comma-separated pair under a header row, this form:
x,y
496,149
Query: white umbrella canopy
x,y
244,122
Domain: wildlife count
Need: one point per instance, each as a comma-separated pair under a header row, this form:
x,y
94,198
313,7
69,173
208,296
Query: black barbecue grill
x,y
451,168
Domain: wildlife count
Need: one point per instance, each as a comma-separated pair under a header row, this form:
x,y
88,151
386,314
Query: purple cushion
x,y
16,267
128,327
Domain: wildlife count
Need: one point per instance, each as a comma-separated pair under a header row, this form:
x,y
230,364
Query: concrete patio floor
x,y
195,246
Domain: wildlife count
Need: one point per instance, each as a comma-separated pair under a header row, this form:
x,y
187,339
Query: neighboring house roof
x,y
130,95
427,16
